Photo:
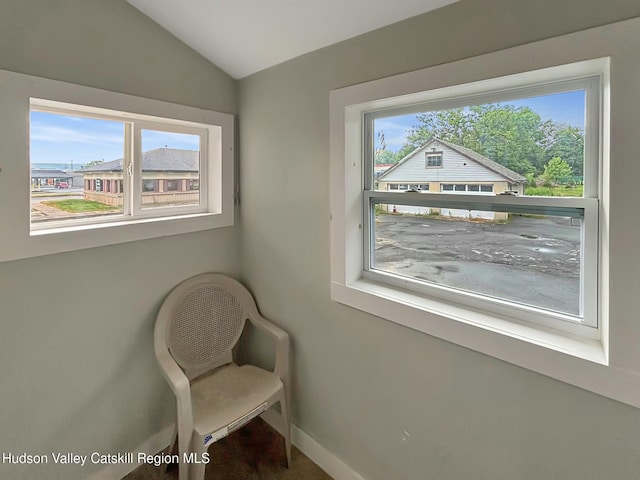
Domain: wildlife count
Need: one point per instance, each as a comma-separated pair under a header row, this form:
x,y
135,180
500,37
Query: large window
x,y
508,236
526,243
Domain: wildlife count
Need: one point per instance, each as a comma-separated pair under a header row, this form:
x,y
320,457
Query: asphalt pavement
x,y
530,260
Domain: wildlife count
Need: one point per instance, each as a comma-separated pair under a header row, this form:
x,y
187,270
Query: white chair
x,y
196,329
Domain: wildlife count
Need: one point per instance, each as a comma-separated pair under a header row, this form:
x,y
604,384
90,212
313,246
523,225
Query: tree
x,y
92,163
512,136
384,157
568,144
515,137
557,170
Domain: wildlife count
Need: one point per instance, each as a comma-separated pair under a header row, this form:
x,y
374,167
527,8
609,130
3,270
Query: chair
x,y
197,326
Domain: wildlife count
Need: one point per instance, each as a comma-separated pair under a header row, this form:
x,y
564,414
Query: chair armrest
x,y
177,380
281,339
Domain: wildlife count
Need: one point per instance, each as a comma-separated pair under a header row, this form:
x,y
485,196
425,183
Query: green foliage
x,y
577,191
515,137
557,171
93,163
568,144
531,180
384,157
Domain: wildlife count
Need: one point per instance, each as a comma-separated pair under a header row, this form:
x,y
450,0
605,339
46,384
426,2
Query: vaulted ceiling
x,y
245,36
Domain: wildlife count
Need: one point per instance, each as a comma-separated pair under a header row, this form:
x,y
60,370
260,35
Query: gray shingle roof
x,y
49,174
512,176
507,173
158,160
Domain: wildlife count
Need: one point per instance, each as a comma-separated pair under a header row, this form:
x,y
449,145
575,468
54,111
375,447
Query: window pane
x,y
527,259
534,145
170,169
76,163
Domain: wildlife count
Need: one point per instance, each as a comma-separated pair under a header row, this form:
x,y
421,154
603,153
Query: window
x,y
133,152
434,159
502,240
172,185
81,166
532,254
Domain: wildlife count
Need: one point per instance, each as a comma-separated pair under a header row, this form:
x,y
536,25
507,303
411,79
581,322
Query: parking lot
x,y
530,260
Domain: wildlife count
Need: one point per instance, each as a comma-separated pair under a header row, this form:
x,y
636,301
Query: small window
x,y
145,168
424,187
149,186
447,187
434,160
473,188
486,188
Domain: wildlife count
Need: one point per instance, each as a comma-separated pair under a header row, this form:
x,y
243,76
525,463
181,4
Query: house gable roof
x,y
506,173
158,160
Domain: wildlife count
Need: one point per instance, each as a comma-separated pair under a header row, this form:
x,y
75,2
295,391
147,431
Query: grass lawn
x,y
80,206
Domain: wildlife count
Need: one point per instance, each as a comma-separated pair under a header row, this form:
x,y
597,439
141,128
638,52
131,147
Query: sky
x,y
69,140
74,141
567,108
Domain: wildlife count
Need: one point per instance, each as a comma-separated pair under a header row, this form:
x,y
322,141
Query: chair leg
x,y
286,425
172,446
184,442
197,468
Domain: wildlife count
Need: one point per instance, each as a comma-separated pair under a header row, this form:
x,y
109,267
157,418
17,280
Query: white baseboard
x,y
319,455
151,446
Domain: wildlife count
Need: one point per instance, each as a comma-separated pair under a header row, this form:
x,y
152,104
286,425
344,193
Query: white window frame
x,y
132,166
587,77
429,156
19,92
608,365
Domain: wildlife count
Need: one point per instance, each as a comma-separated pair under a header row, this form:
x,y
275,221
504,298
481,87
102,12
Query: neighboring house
x,y
380,168
443,167
169,176
49,178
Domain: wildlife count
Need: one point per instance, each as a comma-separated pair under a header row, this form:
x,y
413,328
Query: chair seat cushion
x,y
229,393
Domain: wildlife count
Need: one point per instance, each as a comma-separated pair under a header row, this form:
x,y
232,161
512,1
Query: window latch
x,y
130,169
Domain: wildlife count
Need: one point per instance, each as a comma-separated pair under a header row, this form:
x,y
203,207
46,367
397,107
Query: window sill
x,y
473,329
79,237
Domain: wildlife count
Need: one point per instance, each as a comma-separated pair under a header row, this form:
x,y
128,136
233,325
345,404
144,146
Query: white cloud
x,y
47,133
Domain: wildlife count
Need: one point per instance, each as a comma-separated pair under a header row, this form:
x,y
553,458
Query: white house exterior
x,y
443,167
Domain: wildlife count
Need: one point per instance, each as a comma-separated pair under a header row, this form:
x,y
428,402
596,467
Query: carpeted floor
x,y
255,452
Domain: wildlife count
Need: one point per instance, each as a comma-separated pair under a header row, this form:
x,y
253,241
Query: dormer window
x,y
433,159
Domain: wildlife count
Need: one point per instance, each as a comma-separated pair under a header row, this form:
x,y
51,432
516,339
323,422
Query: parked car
x,y
62,185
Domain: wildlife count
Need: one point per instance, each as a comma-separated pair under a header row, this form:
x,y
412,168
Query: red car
x,y
62,185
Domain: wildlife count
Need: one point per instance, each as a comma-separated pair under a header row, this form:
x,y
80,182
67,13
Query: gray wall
x,y
361,382
77,371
